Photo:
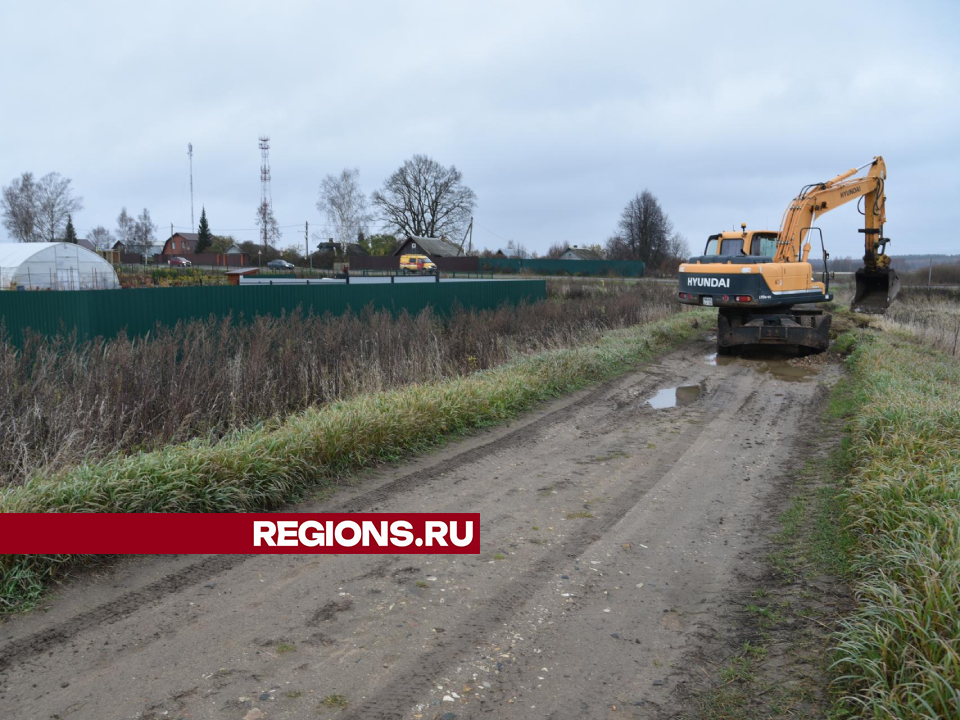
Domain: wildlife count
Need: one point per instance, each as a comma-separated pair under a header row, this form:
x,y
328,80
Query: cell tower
x,y
266,197
190,153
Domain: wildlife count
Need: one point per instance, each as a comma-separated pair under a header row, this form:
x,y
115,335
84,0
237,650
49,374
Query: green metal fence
x,y
138,311
547,266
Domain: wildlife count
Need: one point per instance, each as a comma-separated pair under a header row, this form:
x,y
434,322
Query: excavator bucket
x,y
875,290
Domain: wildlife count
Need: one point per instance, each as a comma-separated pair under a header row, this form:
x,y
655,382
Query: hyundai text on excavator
x,y
763,284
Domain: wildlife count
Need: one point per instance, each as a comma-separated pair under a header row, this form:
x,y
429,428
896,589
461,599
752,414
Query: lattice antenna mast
x,y
190,153
266,197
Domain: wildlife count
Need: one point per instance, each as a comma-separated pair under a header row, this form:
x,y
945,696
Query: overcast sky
x,y
557,113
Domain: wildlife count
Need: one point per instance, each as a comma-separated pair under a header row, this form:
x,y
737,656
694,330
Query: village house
x,y
433,248
579,253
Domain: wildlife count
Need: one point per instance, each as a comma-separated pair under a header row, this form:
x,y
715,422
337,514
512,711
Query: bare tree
x,y
56,204
143,236
101,238
556,250
345,205
678,246
517,250
266,220
20,207
426,199
37,210
125,228
645,232
617,249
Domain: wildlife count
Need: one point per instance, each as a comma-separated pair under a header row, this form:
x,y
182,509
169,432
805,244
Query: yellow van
x,y
417,264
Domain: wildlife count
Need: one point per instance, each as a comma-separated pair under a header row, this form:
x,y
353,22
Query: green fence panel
x,y
138,311
548,266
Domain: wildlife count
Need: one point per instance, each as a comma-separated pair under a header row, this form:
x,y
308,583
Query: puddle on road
x,y
782,370
776,367
675,396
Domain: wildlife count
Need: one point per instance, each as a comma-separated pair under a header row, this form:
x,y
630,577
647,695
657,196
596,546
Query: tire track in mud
x,y
514,439
402,692
107,613
19,650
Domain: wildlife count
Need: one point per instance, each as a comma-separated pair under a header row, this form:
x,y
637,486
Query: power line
x,y
492,232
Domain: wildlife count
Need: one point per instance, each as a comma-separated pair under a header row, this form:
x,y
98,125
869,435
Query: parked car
x,y
416,264
280,265
180,262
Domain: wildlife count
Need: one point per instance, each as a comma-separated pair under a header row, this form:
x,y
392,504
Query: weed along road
x,y
613,530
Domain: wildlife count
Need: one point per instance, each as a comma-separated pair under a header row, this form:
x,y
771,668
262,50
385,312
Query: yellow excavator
x,y
763,284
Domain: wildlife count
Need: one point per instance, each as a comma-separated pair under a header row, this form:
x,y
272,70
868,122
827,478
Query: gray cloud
x,y
556,112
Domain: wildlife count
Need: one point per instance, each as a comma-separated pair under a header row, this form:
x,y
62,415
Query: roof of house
x,y
83,242
433,247
352,248
584,253
189,238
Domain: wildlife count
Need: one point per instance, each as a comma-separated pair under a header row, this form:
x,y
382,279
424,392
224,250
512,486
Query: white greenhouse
x,y
54,266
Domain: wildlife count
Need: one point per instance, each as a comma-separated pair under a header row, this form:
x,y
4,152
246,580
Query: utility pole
x,y
468,233
190,153
930,274
306,241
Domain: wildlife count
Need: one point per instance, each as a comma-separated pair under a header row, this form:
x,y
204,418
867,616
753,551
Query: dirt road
x,y
612,532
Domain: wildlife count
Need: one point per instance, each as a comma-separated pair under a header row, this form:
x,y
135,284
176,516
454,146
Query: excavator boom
x,y
877,283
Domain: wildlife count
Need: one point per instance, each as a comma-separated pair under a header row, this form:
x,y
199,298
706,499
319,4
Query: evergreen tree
x,y
70,234
204,237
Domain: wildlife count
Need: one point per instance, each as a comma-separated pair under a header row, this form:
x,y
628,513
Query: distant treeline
x,y
899,262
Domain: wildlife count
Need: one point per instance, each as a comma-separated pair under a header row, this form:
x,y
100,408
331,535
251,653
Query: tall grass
x,y
899,652
62,402
265,467
932,314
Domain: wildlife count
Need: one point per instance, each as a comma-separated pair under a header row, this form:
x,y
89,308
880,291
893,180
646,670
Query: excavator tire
x,y
875,290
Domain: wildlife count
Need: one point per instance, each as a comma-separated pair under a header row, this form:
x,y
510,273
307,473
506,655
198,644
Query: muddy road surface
x,y
612,528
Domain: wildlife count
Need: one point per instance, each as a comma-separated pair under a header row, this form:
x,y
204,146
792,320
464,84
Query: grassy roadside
x,y
898,653
268,466
859,615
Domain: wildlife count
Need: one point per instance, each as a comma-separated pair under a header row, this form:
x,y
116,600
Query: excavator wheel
x,y
876,289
